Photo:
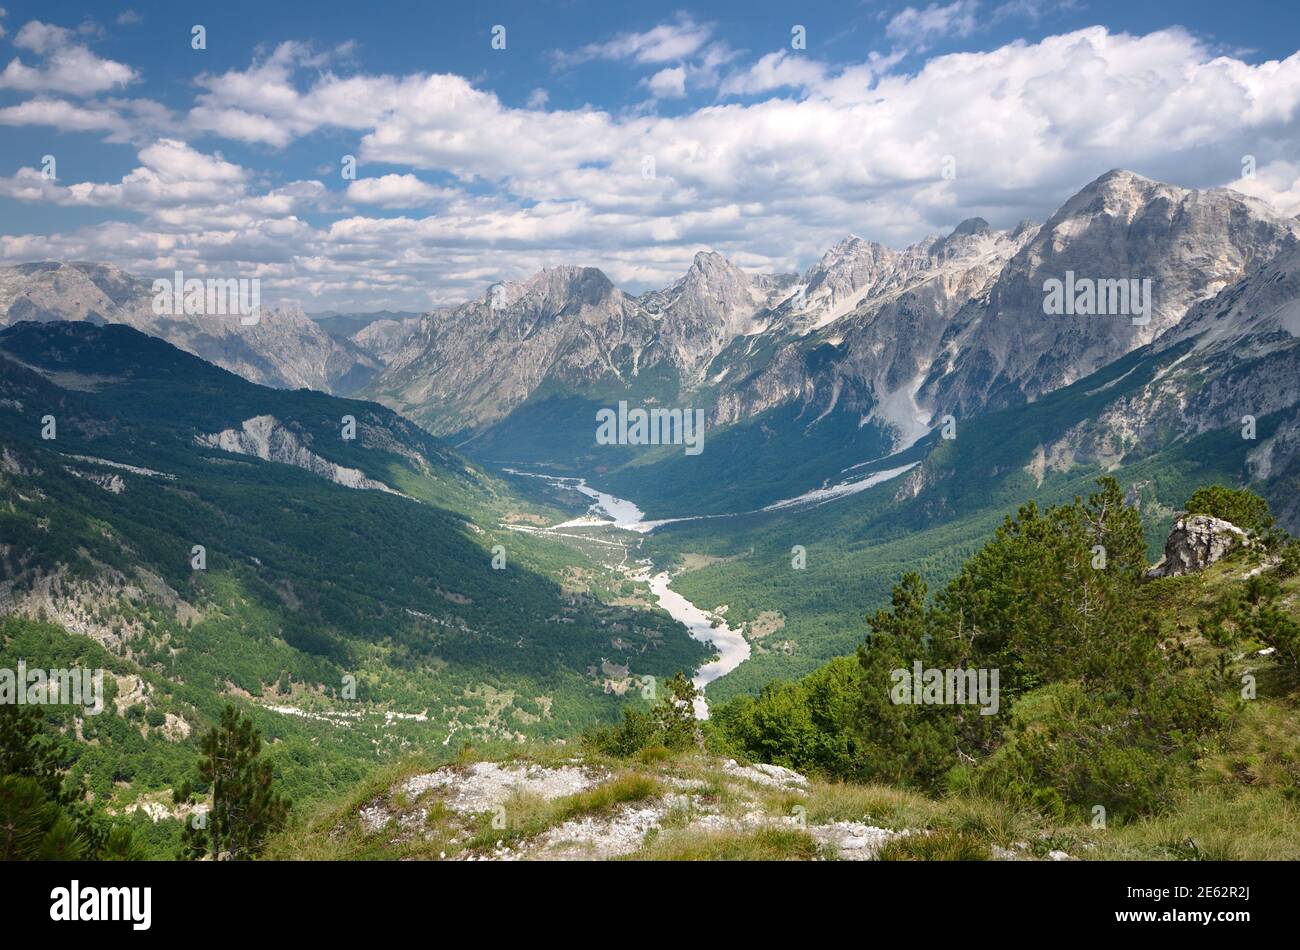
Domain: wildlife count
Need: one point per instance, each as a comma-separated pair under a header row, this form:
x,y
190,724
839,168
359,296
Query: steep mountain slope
x,y
383,339
1232,363
714,303
1165,419
858,357
566,324
1189,244
284,348
222,539
871,325
569,330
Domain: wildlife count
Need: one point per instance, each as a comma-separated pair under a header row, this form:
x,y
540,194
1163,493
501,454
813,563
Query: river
x,y
730,645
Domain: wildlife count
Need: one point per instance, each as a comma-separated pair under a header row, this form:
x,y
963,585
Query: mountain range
x,y
376,574
801,376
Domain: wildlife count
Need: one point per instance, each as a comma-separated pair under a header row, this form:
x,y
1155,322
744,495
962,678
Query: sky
x,y
402,155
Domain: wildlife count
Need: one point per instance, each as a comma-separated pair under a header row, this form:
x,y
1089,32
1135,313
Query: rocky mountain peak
x,y
552,289
713,274
973,234
713,303
1118,193
1177,246
970,226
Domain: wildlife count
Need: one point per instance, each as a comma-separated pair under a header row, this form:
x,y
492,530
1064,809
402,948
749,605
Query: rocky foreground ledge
x,y
691,806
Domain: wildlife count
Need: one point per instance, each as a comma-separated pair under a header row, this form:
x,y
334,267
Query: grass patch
x,y
760,844
604,798
944,845
1219,824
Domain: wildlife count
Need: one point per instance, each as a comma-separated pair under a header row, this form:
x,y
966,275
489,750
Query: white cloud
x,y
171,174
393,191
668,83
538,98
774,71
1277,183
67,67
262,104
178,161
917,27
662,44
65,116
40,37
1032,9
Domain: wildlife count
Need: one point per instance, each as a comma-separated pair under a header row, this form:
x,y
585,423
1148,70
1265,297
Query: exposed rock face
x,y
456,797
867,348
1233,359
474,365
1196,542
714,303
1190,244
837,283
777,776
285,348
265,437
951,324
384,339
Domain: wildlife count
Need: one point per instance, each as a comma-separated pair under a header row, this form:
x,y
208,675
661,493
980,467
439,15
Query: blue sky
x,y
621,136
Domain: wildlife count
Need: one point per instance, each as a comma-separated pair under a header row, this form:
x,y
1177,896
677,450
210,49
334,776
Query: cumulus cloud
x,y
171,174
393,191
120,120
774,71
668,83
1276,183
64,115
262,104
40,37
772,182
67,66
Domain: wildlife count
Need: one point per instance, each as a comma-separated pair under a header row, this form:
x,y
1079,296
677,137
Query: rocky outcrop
x,y
266,438
448,805
1196,542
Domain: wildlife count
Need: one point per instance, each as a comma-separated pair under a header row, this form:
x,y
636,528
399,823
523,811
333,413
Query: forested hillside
x,y
341,589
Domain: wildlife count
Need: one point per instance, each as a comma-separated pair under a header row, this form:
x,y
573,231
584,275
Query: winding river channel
x,y
730,646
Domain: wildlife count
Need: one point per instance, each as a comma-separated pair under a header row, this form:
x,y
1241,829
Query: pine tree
x,y
43,815
674,713
245,807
